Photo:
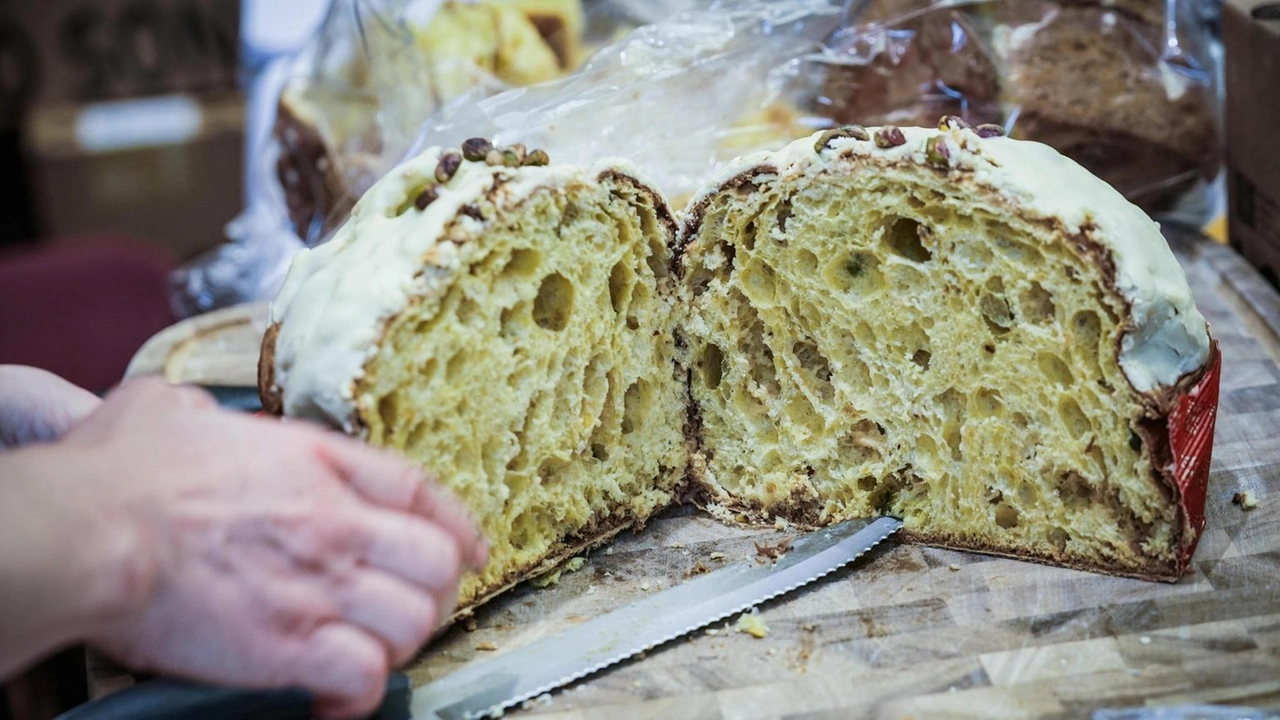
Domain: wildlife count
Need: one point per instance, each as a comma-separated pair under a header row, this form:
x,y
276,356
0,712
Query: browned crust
x,y
660,205
1152,426
590,538
271,396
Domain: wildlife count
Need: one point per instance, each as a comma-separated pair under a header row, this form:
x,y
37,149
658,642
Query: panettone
x,y
973,334
966,331
509,328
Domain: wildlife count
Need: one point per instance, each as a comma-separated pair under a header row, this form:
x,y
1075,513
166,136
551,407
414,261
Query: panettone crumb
x,y
751,624
1246,500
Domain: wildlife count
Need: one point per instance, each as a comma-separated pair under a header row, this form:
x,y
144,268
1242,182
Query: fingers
x,y
417,550
345,668
390,482
403,616
155,390
38,406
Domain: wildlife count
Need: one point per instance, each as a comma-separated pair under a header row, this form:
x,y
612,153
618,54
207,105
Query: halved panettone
x,y
509,328
971,333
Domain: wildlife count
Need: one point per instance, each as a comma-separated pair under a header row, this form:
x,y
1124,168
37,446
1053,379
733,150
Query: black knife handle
x,y
178,700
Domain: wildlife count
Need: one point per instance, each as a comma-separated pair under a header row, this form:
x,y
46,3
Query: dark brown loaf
x,y
1090,83
1084,77
920,78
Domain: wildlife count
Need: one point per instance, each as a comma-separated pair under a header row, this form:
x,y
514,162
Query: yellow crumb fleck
x,y
953,567
547,580
575,564
782,524
486,646
716,556
676,545
713,631
591,589
608,550
645,586
752,625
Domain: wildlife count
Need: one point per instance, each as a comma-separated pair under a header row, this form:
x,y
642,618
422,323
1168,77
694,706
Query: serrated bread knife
x,y
486,688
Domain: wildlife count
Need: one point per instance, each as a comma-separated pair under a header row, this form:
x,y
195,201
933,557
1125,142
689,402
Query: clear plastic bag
x,y
1126,87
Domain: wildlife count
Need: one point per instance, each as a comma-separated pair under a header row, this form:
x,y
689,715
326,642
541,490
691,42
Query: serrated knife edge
x,y
427,702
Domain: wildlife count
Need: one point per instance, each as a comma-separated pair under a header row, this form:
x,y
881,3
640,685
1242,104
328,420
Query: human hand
x,y
38,406
265,554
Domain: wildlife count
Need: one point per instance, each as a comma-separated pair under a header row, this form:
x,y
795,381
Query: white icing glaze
x,y
337,297
1169,337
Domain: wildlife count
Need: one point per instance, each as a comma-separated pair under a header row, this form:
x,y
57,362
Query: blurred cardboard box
x,y
1251,36
129,113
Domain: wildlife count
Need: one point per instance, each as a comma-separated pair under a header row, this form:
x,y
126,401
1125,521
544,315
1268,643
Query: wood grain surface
x,y
917,632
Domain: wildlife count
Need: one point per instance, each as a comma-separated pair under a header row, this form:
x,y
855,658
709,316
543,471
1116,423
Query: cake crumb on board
x,y
751,624
773,552
1246,500
486,646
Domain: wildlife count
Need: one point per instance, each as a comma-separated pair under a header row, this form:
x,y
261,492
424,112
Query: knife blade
x,y
487,688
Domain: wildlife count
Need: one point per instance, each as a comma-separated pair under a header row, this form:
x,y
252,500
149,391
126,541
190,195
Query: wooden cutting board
x,y
217,348
916,632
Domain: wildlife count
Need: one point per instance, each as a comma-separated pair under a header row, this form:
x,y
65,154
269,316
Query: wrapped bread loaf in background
x,y
372,77
1123,88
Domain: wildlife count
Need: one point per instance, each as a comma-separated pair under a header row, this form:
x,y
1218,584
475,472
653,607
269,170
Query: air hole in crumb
x,y
430,369
620,279
1135,442
858,273
455,366
523,263
986,403
635,406
599,452
659,258
467,310
815,363
866,483
759,281
749,235
1074,490
1037,304
1006,516
996,313
783,214
806,262
1076,422
1059,537
416,436
389,411
907,237
922,358
513,317
712,364
554,303
1054,369
633,323
1086,332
